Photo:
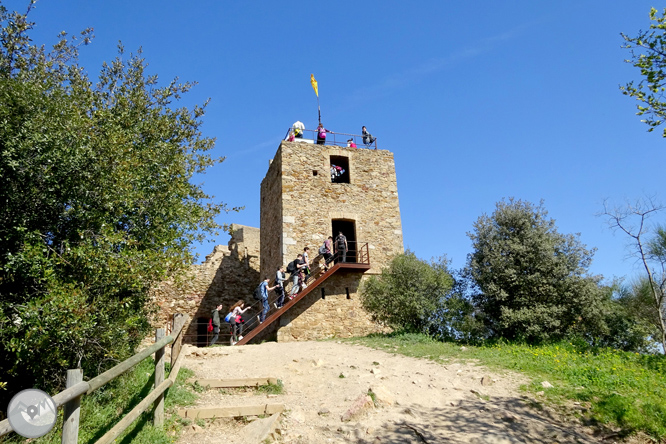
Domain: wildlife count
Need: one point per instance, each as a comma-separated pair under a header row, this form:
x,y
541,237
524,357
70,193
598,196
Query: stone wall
x,y
271,219
299,203
331,314
299,197
228,274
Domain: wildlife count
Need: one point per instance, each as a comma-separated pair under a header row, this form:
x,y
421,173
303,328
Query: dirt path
x,y
419,401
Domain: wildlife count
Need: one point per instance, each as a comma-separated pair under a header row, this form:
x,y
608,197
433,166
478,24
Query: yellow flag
x,y
314,84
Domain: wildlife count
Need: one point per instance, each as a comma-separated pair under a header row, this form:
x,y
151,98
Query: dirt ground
x,y
416,400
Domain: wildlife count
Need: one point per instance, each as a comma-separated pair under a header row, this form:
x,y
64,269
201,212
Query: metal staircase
x,y
358,262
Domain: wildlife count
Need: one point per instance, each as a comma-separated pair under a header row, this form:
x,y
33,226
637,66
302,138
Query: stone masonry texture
x,y
299,204
229,273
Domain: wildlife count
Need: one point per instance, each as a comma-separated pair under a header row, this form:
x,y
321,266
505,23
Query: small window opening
x,y
323,293
339,169
314,172
347,290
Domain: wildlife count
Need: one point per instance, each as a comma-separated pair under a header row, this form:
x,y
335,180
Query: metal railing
x,y
358,253
336,139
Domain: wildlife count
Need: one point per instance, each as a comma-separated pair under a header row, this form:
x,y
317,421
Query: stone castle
x,y
302,203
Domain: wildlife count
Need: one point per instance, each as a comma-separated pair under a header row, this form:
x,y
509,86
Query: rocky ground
x,y
326,387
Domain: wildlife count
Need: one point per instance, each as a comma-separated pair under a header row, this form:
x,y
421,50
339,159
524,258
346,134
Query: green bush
x,y
407,293
97,205
533,281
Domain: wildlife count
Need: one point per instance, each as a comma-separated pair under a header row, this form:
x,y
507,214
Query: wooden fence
x,y
70,398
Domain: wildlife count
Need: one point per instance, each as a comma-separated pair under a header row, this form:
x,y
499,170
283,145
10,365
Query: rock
x,y
508,416
323,412
258,430
382,396
271,396
487,380
317,363
463,348
196,428
546,384
358,407
541,393
375,371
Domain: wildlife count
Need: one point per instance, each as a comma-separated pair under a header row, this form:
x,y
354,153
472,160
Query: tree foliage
x,y
648,54
533,282
97,203
634,321
407,293
632,220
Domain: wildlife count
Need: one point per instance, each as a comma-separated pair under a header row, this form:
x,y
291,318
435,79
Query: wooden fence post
x,y
178,321
72,410
158,416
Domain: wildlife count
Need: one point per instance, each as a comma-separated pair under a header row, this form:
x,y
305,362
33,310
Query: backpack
x,y
340,240
257,293
227,318
322,249
210,325
291,268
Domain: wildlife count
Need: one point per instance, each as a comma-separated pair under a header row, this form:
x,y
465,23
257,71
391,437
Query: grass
x,y
106,406
271,389
620,389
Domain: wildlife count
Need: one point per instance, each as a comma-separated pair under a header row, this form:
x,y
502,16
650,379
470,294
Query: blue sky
x,y
479,101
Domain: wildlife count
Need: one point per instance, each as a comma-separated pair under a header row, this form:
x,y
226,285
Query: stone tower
x,y
302,204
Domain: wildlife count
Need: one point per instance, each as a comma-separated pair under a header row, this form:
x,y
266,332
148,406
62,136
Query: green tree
x,y
407,293
638,324
648,54
632,219
532,280
97,204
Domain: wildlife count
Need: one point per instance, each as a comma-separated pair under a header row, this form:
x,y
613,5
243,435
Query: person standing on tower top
x,y
321,134
367,137
298,129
